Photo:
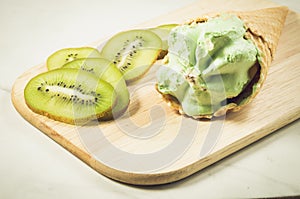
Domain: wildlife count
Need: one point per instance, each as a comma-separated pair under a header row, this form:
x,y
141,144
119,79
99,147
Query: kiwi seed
x,y
69,95
133,52
104,69
66,55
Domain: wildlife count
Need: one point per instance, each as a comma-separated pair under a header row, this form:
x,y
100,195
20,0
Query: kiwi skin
x,y
163,32
38,100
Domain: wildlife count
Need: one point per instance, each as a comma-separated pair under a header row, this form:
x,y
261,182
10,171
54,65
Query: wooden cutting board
x,y
151,144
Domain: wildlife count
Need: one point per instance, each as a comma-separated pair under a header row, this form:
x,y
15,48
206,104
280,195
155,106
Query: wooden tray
x,y
151,144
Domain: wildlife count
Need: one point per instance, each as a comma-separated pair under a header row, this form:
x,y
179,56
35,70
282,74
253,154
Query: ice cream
x,y
208,64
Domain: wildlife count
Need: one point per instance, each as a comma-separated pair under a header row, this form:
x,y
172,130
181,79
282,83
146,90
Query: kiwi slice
x,y
133,52
69,95
104,69
163,32
63,56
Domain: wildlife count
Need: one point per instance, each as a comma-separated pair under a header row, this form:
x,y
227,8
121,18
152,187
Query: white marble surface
x,y
34,166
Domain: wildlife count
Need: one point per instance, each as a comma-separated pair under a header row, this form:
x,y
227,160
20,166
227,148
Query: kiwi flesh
x,y
104,69
63,56
163,32
69,95
133,52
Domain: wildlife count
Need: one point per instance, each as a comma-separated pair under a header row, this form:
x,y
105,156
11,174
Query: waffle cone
x,y
264,28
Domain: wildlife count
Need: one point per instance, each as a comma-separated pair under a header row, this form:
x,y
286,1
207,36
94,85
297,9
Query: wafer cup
x,y
264,28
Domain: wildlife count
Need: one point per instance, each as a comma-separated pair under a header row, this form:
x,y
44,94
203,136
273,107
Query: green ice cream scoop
x,y
209,64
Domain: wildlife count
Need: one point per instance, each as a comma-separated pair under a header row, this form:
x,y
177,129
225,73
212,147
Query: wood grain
x,y
151,144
